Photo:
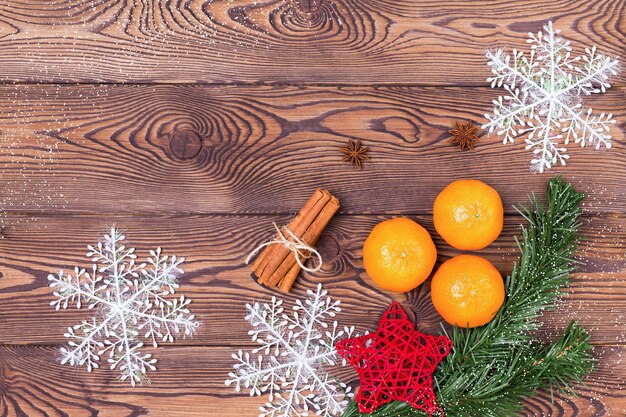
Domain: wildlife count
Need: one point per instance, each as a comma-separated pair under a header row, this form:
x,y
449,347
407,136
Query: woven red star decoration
x,y
396,363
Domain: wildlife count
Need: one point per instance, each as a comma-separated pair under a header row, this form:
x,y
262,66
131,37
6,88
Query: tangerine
x,y
467,291
468,214
399,254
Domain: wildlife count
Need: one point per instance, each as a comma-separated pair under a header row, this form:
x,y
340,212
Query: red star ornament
x,y
396,363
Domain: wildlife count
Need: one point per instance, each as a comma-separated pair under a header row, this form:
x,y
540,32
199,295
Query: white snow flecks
x,y
133,304
296,348
543,97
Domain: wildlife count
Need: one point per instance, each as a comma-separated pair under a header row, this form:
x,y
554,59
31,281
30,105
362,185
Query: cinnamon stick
x,y
289,279
261,262
284,276
311,237
261,259
276,265
280,252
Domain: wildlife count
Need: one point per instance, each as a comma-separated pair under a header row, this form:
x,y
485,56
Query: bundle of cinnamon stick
x,y
276,265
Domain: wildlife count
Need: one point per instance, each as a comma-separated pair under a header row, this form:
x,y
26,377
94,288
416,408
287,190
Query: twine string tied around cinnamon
x,y
300,249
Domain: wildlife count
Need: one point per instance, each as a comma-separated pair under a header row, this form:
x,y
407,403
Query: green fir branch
x,y
492,367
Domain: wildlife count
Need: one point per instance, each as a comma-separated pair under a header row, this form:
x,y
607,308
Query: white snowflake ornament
x,y
133,304
294,351
543,97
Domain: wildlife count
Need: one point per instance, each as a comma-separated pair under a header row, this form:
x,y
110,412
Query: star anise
x,y
355,153
464,135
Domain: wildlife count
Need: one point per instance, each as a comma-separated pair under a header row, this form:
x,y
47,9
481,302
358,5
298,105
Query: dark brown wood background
x,y
94,92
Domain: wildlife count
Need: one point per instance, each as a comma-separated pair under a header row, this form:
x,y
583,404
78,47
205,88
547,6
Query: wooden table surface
x,y
196,124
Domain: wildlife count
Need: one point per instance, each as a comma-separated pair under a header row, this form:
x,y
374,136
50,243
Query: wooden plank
x,y
322,41
190,382
132,149
220,284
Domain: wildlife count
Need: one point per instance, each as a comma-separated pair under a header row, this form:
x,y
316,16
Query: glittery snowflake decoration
x,y
132,303
296,348
543,97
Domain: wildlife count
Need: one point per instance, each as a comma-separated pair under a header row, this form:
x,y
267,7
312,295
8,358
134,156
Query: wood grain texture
x,y
190,382
220,284
284,41
272,89
115,149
